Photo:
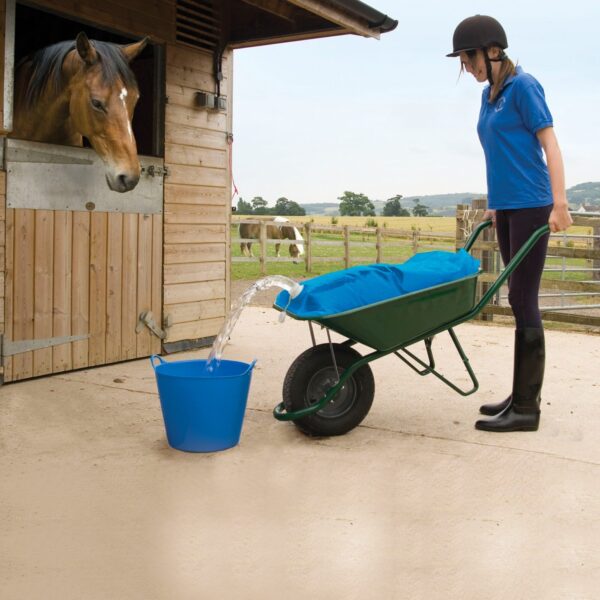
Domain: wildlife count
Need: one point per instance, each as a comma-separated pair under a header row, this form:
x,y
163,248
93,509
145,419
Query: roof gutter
x,y
375,19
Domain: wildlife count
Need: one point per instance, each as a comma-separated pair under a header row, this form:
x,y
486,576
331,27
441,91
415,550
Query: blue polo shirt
x,y
517,175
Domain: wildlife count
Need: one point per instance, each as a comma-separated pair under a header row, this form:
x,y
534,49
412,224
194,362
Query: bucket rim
x,y
163,366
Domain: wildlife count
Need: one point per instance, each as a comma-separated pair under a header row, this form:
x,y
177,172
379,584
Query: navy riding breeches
x,y
513,228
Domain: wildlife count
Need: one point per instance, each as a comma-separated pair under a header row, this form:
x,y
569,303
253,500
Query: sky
x,y
314,118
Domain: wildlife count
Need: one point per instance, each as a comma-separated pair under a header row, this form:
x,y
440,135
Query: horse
x,y
274,232
82,88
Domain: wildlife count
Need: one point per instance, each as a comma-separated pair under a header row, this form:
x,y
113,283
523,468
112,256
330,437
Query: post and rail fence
x,y
566,299
382,237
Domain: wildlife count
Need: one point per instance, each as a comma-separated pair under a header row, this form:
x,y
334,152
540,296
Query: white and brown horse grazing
x,y
278,231
77,89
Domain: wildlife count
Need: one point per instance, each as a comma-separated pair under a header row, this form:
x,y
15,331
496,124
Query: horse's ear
x,y
85,49
131,51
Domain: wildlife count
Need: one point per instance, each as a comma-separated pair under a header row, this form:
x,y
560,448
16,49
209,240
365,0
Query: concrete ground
x,y
413,504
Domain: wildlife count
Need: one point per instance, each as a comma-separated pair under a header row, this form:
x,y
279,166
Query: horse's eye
x,y
97,104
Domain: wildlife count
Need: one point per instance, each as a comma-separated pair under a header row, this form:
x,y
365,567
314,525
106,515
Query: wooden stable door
x,y
77,281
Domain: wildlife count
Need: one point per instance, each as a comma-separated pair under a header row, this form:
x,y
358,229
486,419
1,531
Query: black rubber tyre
x,y
308,380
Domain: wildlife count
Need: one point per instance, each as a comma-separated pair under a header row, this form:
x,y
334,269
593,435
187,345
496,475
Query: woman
x,y
524,193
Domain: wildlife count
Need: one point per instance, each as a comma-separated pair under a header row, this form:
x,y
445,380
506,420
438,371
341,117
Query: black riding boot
x,y
523,413
491,410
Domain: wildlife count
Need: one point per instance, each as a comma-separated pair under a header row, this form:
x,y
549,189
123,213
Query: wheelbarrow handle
x,y
475,234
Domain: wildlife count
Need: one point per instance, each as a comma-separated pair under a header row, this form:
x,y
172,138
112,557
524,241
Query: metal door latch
x,y
154,171
146,319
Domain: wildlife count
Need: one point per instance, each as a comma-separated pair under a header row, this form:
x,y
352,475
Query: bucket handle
x,y
159,358
250,367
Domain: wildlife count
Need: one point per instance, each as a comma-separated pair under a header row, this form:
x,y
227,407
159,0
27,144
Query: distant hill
x,y
445,204
584,193
322,208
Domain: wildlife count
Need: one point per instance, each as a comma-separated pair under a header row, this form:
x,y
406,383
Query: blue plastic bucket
x,y
203,411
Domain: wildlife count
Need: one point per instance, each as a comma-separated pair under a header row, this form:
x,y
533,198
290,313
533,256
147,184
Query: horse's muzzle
x,y
122,182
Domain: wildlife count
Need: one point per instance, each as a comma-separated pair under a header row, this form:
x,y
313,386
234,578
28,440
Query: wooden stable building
x,y
89,276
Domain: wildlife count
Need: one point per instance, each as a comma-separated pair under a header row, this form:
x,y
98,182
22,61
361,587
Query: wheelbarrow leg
x,y
430,368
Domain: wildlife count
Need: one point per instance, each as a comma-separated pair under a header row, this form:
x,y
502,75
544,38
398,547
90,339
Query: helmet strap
x,y
488,67
488,63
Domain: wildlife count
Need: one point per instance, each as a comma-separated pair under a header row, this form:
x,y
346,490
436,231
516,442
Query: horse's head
x,y
296,250
103,95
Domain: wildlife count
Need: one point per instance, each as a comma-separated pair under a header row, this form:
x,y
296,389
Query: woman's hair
x,y
507,68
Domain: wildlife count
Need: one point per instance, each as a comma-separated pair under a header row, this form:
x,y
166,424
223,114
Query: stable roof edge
x,y
375,19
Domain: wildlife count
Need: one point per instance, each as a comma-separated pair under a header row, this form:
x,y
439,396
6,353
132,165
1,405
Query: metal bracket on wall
x,y
146,319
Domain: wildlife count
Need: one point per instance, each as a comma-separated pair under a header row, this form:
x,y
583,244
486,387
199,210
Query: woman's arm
x,y
560,219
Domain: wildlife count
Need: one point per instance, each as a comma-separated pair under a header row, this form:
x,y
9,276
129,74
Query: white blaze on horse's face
x,y
122,97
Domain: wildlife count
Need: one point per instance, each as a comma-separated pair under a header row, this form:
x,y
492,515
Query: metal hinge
x,y
146,319
11,348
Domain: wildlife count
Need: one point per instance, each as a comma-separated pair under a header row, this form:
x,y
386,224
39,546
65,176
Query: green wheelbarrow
x,y
328,390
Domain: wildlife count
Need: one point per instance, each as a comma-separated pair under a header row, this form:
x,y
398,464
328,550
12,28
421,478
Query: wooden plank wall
x,y
2,255
2,20
79,273
2,184
197,198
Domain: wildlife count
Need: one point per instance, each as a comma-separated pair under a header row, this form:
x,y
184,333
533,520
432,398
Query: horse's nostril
x,y
126,182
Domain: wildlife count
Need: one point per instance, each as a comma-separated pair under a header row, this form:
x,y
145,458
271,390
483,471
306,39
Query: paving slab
x,y
415,503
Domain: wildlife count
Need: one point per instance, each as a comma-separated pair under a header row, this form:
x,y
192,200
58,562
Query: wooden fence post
x,y
346,246
415,241
263,248
596,246
461,227
379,245
485,256
308,246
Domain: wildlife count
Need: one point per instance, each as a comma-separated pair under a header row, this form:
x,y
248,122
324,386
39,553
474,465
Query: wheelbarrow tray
x,y
390,323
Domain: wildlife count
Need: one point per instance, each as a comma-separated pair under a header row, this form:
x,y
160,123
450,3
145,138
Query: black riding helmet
x,y
479,33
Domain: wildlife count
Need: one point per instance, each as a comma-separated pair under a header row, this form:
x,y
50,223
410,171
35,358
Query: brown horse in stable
x,y
77,89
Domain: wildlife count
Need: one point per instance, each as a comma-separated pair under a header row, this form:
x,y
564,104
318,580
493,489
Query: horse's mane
x,y
46,66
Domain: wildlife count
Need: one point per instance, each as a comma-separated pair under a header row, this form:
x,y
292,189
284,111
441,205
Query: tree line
x,y
258,206
359,205
351,205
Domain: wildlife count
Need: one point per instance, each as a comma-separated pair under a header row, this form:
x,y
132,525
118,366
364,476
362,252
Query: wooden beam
x,y
336,16
555,284
585,220
549,315
277,39
274,7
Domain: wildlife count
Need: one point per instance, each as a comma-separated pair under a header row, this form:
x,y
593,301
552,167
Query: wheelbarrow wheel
x,y
310,377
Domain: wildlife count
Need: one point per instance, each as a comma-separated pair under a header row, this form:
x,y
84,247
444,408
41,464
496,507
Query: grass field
x,y
401,251
424,224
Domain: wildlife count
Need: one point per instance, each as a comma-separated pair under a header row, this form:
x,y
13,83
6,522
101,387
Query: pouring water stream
x,y
285,283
